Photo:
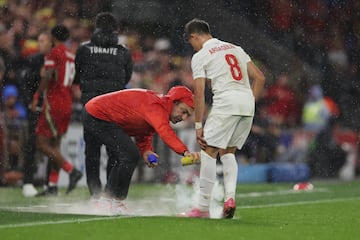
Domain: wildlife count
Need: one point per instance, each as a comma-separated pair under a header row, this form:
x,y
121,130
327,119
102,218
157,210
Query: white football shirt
x,y
225,64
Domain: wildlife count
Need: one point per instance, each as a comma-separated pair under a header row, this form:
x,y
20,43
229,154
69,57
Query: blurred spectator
x,y
12,108
30,83
352,40
132,42
335,44
2,73
326,156
161,65
281,103
261,146
7,52
350,98
2,151
315,112
14,114
308,30
2,130
281,14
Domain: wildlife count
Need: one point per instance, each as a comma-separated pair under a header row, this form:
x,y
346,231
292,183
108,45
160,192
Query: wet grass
x,y
265,211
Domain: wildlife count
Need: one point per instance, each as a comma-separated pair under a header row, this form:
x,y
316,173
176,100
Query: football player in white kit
x,y
229,122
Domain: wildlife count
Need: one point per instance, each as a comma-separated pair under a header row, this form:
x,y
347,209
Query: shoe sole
x,y
229,212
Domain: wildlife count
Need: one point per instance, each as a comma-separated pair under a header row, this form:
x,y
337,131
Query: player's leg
x,y
207,177
92,163
50,147
230,171
110,163
207,180
52,181
92,127
127,156
74,174
57,119
217,132
30,150
48,132
228,159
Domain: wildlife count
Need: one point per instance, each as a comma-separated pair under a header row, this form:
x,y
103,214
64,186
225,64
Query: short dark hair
x,y
196,26
106,21
60,32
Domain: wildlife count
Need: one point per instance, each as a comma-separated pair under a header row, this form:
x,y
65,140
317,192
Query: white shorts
x,y
223,131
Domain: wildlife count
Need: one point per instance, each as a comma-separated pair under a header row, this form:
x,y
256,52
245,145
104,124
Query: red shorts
x,y
54,120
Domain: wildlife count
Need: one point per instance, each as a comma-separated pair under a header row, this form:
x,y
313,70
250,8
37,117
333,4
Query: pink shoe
x,y
195,213
229,208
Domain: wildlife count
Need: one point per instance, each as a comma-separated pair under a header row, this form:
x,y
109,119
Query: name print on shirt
x,y
221,48
111,51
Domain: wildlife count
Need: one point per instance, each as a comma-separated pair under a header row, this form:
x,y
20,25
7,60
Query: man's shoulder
x,y
200,57
85,43
122,48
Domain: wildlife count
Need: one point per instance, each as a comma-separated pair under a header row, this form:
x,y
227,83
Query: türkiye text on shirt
x,y
112,51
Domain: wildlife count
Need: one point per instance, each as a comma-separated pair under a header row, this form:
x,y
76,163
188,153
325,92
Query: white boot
x,y
28,190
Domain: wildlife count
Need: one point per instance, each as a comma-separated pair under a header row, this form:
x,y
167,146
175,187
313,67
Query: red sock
x,y
67,166
53,178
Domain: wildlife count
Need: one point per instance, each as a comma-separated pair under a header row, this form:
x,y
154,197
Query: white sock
x,y
230,171
207,180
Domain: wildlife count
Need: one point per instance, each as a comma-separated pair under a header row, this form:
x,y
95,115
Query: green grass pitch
x,y
264,211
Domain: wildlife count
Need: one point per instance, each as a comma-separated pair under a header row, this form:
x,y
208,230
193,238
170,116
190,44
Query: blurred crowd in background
x,y
323,33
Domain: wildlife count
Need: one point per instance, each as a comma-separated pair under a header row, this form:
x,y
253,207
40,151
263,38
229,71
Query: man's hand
x,y
148,156
193,155
190,158
200,138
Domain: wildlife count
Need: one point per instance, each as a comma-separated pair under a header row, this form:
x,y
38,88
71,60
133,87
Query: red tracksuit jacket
x,y
140,113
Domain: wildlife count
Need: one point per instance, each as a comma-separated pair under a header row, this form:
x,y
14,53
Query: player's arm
x,y
46,75
258,79
199,102
144,144
199,99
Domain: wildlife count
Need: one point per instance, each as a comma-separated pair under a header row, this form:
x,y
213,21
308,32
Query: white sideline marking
x,y
299,203
280,192
32,224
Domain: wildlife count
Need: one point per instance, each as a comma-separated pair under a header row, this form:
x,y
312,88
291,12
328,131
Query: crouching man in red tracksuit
x,y
112,119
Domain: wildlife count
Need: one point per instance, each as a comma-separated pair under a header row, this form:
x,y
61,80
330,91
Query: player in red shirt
x,y
112,119
55,85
